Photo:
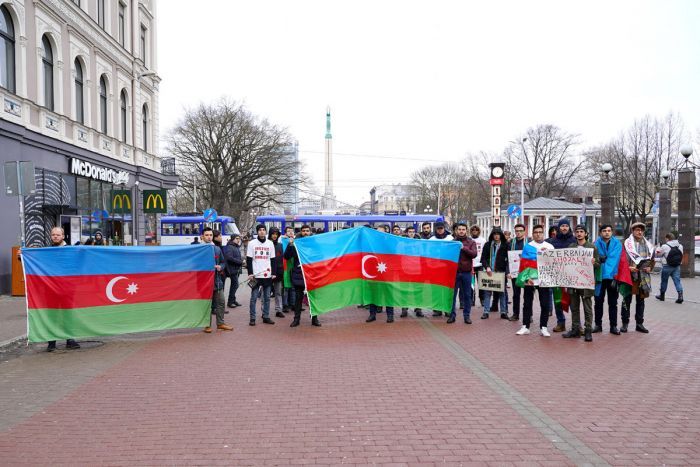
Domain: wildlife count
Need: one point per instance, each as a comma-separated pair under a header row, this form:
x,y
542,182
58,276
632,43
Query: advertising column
x,y
496,182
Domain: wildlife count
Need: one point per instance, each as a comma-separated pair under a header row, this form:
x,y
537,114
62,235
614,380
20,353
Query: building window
x,y
7,50
122,114
79,107
144,124
103,105
122,24
47,61
143,43
101,13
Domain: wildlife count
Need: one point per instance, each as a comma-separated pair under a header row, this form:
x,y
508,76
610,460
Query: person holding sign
x,y
516,245
562,239
494,258
582,295
640,255
529,281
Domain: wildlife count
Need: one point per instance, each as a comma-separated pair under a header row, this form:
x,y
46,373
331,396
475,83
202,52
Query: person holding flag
x,y
217,299
640,256
528,280
297,277
612,263
463,285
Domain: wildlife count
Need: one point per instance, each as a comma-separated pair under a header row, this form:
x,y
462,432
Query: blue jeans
x,y
675,273
289,298
373,311
232,289
502,298
463,287
266,285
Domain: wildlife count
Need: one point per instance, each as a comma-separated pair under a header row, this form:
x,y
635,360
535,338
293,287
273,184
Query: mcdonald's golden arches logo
x,y
155,201
121,201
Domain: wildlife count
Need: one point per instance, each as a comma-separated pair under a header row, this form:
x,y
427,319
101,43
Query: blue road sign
x,y
514,211
99,214
210,215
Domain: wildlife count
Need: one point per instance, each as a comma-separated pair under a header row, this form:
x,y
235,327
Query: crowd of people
x,y
274,273
272,270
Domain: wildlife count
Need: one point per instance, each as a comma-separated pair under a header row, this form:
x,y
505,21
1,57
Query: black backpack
x,y
674,257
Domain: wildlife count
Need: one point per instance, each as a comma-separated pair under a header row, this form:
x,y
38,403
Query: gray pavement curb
x,y
12,342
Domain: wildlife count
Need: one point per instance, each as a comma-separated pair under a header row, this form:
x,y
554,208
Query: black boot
x,y
640,328
514,317
661,296
597,328
680,297
315,321
614,330
574,332
295,322
451,319
624,327
588,337
404,312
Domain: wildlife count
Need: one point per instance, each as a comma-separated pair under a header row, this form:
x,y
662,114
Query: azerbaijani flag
x,y
623,276
84,291
528,266
363,266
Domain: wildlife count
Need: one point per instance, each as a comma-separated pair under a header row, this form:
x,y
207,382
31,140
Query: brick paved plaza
x,y
415,392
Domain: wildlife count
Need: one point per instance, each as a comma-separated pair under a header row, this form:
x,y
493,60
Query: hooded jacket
x,y
277,264
500,263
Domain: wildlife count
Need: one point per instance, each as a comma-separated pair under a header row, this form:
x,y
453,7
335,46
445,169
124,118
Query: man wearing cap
x,y
582,295
609,252
562,239
441,234
640,256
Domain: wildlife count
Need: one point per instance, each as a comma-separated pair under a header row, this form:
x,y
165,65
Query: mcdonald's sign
x,y
155,201
121,201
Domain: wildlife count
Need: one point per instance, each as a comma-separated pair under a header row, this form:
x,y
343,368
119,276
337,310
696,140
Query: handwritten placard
x,y
495,282
568,267
514,262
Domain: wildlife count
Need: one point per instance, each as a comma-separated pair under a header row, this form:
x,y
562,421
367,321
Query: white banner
x,y
514,262
494,282
568,267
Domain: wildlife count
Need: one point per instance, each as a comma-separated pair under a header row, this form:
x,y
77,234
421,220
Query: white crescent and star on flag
x,y
380,267
131,289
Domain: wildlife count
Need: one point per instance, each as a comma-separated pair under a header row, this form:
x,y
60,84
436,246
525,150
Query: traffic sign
x,y
210,215
514,211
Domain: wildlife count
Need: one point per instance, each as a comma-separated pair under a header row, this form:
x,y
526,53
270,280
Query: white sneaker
x,y
545,332
524,331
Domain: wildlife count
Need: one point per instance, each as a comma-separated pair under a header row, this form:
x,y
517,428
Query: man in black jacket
x,y
298,278
562,239
277,271
234,262
494,258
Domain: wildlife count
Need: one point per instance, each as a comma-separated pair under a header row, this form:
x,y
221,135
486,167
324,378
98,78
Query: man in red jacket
x,y
463,284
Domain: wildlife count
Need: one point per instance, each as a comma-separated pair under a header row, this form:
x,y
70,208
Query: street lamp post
x,y
664,211
686,213
607,201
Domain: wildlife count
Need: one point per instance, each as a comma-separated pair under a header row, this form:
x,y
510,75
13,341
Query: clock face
x,y
497,172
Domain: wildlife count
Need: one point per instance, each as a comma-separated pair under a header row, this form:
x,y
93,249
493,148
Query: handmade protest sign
x,y
494,282
567,267
514,262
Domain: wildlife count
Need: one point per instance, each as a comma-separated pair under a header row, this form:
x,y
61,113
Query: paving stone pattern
x,y
415,392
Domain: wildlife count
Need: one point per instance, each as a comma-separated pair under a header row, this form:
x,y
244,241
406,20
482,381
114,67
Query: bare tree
x,y
237,161
545,159
638,156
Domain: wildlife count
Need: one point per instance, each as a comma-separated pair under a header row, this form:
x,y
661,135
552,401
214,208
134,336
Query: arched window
x,y
47,62
79,106
122,114
103,104
7,50
144,123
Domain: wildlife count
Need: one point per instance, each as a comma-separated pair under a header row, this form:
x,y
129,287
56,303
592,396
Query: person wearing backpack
x,y
671,255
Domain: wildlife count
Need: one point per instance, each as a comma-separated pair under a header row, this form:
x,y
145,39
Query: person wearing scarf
x,y
562,239
640,255
494,258
610,251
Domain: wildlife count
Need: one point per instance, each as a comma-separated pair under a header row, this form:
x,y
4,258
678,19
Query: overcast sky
x,y
430,81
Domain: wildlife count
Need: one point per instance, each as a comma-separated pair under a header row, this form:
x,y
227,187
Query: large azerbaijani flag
x,y
364,266
79,291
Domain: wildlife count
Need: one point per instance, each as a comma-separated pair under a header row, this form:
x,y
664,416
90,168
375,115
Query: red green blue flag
x,y
78,291
364,266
